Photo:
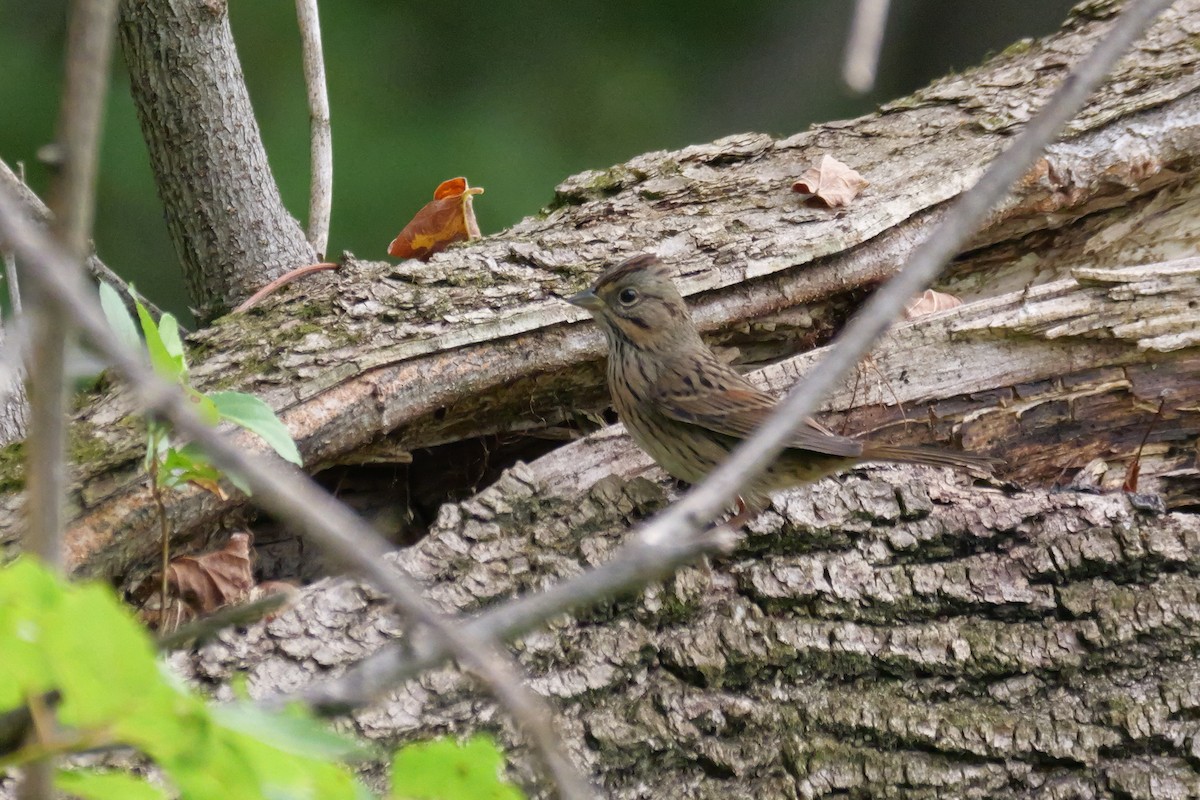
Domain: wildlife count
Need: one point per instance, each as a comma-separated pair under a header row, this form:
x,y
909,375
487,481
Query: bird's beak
x,y
585,299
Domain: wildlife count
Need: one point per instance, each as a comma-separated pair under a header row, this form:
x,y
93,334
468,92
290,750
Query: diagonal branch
x,y
679,535
37,210
289,495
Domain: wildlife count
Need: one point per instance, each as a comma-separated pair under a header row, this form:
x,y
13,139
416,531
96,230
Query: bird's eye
x,y
628,296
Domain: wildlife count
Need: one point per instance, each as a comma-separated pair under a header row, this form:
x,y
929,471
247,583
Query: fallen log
x,y
476,342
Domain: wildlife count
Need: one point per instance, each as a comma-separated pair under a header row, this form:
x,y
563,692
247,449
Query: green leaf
x,y
103,661
118,317
188,464
80,640
28,595
292,732
168,331
92,785
165,364
256,416
446,770
203,405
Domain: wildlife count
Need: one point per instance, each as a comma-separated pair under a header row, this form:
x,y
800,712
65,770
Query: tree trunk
x,y
222,205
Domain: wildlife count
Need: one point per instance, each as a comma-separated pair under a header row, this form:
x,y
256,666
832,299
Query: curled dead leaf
x,y
929,302
199,584
830,184
448,218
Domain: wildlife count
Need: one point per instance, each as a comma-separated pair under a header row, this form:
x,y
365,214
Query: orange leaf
x,y
446,219
830,184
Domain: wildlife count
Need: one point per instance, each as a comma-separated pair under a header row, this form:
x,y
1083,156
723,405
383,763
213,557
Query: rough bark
x,y
221,203
413,355
891,633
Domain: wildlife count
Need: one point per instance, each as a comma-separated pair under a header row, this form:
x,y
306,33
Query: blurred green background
x,y
515,95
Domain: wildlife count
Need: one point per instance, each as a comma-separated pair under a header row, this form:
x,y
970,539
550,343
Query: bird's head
x,y
636,301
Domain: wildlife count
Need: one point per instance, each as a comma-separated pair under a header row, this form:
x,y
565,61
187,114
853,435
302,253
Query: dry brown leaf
x,y
446,219
930,302
830,184
199,584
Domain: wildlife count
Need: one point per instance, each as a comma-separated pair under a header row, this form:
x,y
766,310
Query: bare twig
x,y
13,283
864,44
962,219
320,192
36,209
283,280
10,260
679,534
164,531
89,48
289,495
211,624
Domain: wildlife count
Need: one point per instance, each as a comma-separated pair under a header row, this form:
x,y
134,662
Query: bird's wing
x,y
739,411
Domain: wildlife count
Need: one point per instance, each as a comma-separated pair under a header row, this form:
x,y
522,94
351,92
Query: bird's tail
x,y
984,465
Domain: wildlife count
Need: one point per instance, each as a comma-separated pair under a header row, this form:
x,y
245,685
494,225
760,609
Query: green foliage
x,y
174,466
118,317
448,770
80,641
256,416
95,785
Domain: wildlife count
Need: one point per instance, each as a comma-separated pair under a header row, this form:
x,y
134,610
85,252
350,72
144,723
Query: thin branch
x,y
865,42
37,210
13,283
10,260
283,280
320,193
89,49
208,626
679,534
289,495
885,306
